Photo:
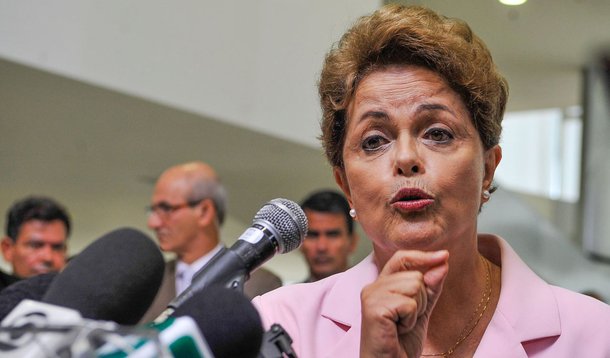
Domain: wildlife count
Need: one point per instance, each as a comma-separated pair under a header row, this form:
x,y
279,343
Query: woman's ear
x,y
341,180
493,156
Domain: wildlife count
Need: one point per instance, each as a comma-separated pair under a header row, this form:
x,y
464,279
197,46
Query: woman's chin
x,y
416,240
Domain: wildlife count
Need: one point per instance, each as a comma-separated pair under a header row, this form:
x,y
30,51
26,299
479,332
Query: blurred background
x,y
98,98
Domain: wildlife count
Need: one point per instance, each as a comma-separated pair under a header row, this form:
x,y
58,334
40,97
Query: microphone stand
x,y
211,273
276,341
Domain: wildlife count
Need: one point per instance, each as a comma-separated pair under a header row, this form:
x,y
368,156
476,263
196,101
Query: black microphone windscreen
x,y
32,288
115,278
227,320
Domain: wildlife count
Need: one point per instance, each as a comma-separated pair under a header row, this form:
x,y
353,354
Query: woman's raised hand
x,y
397,306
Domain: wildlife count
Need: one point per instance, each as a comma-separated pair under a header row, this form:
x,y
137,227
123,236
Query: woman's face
x,y
414,165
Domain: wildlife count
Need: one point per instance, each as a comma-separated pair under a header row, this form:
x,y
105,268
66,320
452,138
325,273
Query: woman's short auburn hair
x,y
411,35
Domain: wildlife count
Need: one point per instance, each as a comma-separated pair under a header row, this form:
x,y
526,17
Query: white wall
x,y
251,63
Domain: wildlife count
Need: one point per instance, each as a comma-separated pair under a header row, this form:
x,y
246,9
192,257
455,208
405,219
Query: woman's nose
x,y
407,159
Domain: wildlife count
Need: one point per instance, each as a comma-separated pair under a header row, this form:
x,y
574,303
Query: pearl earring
x,y
352,213
486,194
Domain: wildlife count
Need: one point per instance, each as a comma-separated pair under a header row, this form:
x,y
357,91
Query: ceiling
x,y
541,46
99,150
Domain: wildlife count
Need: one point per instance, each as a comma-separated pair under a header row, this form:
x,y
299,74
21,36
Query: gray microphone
x,y
278,227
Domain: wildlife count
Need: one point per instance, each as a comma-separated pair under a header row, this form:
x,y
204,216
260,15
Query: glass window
x,y
541,153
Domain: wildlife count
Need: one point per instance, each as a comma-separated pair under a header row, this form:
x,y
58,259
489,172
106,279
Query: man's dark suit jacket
x,y
6,280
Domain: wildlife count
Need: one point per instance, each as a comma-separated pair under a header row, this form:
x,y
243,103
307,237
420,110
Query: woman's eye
x,y
373,142
439,135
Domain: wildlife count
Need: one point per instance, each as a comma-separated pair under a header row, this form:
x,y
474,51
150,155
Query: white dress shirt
x,y
185,272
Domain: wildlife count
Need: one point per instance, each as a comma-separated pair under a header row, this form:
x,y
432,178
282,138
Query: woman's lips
x,y
411,199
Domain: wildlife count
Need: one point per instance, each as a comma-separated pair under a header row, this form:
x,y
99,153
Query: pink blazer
x,y
532,319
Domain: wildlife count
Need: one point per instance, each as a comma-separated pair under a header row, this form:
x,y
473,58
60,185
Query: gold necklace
x,y
474,320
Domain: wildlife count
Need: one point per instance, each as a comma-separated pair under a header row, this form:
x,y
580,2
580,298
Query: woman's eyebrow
x,y
434,107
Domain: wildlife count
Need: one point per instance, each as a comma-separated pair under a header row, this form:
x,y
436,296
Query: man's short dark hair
x,y
34,208
329,201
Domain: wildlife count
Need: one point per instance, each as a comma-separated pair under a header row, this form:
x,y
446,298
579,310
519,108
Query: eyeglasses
x,y
164,210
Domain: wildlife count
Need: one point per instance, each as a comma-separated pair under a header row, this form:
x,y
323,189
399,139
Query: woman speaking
x,y
412,108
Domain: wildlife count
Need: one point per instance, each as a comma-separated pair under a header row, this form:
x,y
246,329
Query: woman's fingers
x,y
413,260
400,297
434,278
397,306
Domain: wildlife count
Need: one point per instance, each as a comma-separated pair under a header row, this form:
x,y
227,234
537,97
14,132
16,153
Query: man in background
x,y
330,237
37,230
187,211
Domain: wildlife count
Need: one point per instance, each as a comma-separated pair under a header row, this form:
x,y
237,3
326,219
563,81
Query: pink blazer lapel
x,y
342,306
526,311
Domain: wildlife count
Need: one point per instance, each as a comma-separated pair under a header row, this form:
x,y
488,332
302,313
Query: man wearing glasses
x,y
188,208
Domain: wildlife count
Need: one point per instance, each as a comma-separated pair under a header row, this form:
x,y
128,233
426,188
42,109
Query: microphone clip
x,y
277,343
